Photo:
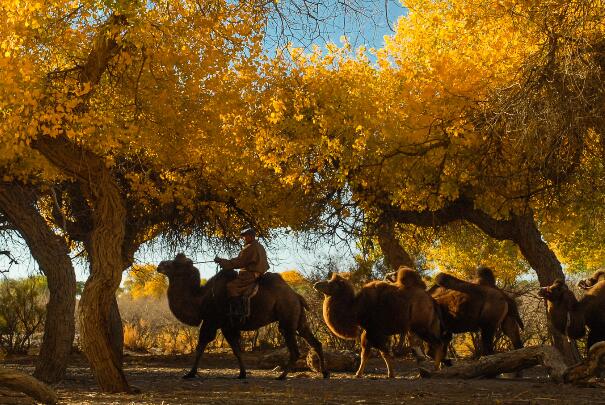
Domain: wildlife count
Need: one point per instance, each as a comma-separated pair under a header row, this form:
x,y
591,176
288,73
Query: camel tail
x,y
453,283
443,332
513,311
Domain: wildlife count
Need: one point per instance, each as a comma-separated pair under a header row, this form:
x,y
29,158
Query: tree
x,y
18,204
463,116
138,115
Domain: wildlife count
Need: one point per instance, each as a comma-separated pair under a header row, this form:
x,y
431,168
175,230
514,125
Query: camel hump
x,y
453,283
408,277
270,278
485,276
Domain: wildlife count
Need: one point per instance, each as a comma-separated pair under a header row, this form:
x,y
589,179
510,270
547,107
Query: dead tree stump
x,y
20,382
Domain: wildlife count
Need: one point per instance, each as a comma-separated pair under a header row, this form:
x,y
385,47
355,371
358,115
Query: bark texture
x,y
508,362
21,382
394,254
18,204
106,240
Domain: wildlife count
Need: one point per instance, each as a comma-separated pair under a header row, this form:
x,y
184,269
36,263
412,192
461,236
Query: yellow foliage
x,y
177,340
144,281
138,337
293,277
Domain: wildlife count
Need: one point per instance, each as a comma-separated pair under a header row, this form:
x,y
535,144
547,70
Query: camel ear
x,y
330,274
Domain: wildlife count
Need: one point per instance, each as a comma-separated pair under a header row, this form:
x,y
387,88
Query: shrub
x,y
22,312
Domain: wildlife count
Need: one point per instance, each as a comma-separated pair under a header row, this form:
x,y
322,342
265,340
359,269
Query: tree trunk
x,y
98,297
108,214
52,255
105,249
394,255
508,362
542,259
116,331
20,382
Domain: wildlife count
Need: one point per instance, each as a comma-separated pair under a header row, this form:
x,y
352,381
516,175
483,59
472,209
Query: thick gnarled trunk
x,y
394,255
52,255
105,241
109,214
105,248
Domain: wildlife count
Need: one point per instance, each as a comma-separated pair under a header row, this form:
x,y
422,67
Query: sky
x,y
285,252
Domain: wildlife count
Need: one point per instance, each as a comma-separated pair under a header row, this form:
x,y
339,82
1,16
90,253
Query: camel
x,y
570,316
381,309
589,282
275,301
479,305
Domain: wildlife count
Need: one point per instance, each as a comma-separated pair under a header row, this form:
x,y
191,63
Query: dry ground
x,y
159,378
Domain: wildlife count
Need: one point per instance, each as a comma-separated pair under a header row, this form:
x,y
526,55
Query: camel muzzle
x,y
585,284
544,292
321,286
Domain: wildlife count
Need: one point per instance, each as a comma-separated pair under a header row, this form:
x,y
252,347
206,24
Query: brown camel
x,y
275,301
477,306
589,282
570,316
379,310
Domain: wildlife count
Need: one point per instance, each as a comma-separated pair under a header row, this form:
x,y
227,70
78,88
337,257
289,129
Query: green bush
x,y
22,312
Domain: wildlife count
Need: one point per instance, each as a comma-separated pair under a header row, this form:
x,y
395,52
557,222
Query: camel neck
x,y
340,313
185,301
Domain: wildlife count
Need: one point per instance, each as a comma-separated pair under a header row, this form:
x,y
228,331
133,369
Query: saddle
x,y
238,310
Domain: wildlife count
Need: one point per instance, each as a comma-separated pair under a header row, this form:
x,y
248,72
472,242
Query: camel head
x,y
180,269
334,286
555,293
391,277
587,283
562,309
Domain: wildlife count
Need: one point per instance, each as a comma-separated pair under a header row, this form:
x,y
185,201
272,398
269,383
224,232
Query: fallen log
x,y
508,362
279,358
10,397
20,382
588,372
342,360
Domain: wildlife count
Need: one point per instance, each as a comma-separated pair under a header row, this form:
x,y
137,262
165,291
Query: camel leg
x,y
437,347
233,338
386,356
207,335
447,340
487,341
591,339
365,353
382,344
305,332
290,337
511,330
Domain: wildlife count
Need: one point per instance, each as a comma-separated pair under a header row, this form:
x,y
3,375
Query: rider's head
x,y
248,234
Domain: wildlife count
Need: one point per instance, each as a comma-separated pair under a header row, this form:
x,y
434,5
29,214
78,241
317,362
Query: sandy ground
x,y
159,379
